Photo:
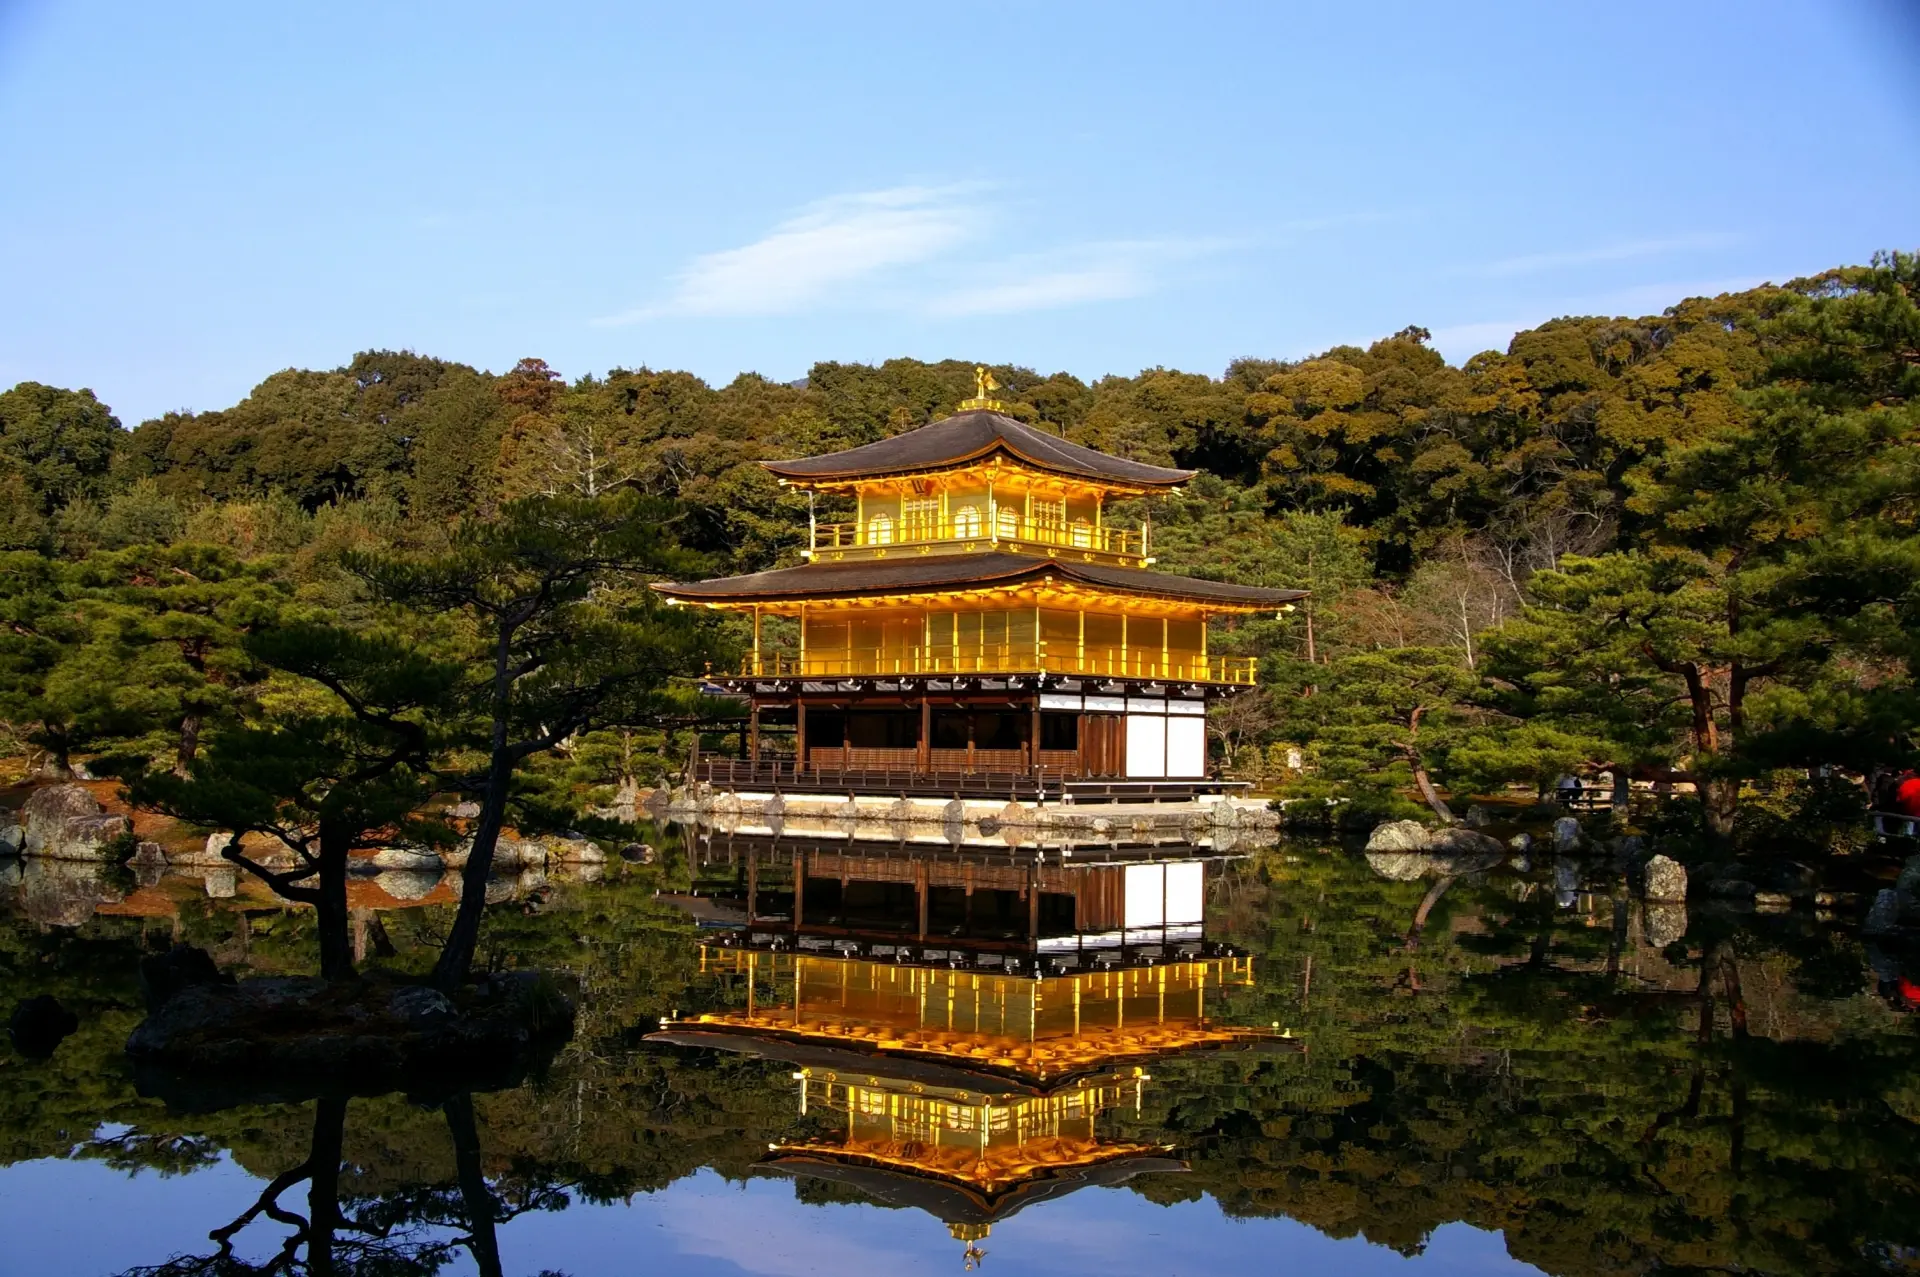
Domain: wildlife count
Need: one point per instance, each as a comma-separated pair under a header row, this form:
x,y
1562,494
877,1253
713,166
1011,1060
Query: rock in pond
x,y
39,1025
1884,916
369,1030
408,859
1666,880
573,849
1567,835
1465,842
65,822
1399,835
162,975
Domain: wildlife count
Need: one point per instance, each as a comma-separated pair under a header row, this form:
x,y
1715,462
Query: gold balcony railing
x,y
1004,658
1008,528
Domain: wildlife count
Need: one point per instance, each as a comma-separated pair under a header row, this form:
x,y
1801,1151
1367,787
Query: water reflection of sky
x,y
91,1219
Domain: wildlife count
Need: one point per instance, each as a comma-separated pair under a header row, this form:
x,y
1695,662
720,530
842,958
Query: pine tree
x,y
558,635
344,761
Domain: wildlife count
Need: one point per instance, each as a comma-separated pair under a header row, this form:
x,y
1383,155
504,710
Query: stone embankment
x,y
972,820
67,824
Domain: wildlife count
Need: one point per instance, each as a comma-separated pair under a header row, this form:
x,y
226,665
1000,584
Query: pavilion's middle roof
x,y
921,573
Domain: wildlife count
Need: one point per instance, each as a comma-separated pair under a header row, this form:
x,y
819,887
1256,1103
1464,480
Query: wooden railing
x,y
1050,781
1007,528
1005,658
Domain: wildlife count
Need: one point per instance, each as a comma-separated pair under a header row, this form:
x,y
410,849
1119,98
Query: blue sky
x,y
197,195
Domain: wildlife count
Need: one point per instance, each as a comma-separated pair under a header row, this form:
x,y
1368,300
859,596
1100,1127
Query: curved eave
x,y
961,573
966,439
953,1201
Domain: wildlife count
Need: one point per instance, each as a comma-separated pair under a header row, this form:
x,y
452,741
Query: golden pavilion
x,y
981,623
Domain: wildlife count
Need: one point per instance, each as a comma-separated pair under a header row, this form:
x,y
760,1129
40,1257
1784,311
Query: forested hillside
x,y
1681,546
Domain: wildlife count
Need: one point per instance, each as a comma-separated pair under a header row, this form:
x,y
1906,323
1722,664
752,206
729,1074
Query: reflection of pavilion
x,y
968,1156
968,1018
1014,909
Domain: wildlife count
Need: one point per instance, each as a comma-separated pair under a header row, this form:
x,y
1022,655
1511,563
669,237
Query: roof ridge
x,y
975,433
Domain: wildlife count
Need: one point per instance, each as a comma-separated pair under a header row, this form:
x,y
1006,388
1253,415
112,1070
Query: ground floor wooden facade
x,y
1033,727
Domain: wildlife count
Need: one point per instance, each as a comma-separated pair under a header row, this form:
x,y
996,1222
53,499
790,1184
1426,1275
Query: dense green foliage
x,y
1680,547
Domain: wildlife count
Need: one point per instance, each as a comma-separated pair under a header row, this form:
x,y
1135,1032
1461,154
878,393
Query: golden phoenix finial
x,y
983,381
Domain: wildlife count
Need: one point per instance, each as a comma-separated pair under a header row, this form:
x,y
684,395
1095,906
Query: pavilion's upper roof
x,y
954,1202
968,437
919,573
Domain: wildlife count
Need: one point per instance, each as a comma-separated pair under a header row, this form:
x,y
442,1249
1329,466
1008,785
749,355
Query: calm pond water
x,y
1342,1066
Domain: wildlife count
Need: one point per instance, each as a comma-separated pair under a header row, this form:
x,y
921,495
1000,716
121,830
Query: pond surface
x,y
1344,1065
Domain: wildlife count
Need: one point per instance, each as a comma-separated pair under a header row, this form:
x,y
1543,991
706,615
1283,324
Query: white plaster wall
x,y
1146,746
1186,747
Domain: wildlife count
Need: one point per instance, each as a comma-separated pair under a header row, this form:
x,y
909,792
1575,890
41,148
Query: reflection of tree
x,y
1556,1079
410,1233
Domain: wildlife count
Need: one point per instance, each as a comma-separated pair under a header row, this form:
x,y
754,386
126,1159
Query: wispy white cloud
x,y
1068,277
816,257
1631,250
899,250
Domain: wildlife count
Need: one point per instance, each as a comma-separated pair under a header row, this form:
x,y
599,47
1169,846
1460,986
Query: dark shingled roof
x,y
853,577
972,436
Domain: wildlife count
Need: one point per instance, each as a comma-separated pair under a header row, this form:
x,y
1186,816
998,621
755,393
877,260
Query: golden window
x,y
919,516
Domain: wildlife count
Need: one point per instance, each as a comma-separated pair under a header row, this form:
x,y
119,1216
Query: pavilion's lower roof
x,y
917,573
